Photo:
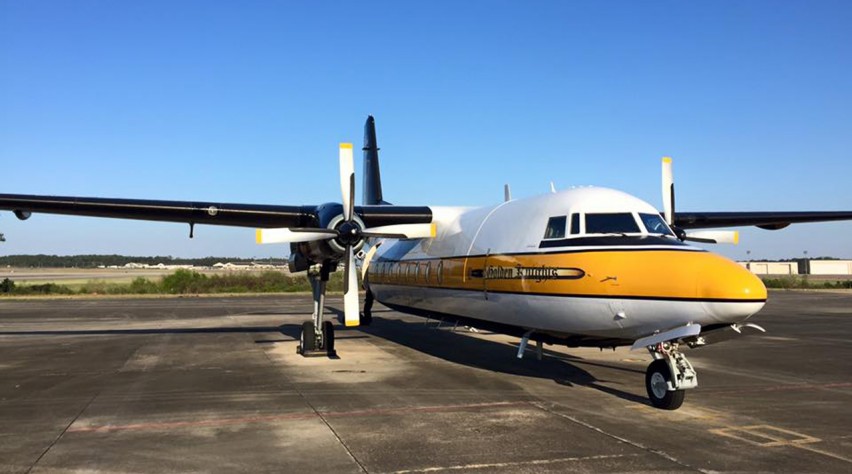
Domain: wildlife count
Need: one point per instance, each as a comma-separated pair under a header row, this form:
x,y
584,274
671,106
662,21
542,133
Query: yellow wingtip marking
x,y
434,230
350,324
736,237
258,236
667,159
346,145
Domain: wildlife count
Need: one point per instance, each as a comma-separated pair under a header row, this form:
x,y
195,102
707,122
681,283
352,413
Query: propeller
x,y
714,236
705,237
668,191
347,234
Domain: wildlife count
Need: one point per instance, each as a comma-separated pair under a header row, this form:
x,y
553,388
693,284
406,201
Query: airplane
x,y
583,267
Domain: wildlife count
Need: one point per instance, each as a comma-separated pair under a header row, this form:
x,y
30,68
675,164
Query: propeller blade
x,y
714,236
668,191
285,235
365,266
350,290
347,180
402,231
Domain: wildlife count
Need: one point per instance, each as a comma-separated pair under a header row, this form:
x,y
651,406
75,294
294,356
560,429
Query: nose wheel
x,y
657,380
669,376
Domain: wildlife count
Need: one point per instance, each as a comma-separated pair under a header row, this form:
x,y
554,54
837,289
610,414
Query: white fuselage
x,y
589,263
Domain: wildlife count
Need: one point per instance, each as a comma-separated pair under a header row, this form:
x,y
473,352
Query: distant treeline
x,y
802,282
181,282
800,259
95,261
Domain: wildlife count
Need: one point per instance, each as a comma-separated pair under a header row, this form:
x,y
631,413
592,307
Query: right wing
x,y
192,212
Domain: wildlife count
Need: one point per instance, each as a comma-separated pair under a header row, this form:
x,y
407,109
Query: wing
x,y
191,212
242,215
764,220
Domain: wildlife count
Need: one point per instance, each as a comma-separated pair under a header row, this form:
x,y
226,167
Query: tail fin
x,y
372,176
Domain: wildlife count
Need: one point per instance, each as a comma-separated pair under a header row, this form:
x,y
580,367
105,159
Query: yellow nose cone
x,y
723,279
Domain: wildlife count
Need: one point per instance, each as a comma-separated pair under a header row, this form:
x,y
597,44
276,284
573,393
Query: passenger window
x,y
555,228
575,224
616,223
655,224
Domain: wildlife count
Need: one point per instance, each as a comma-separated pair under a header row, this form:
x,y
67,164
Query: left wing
x,y
681,221
764,220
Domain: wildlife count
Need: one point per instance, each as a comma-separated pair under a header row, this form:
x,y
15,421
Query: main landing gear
x,y
669,376
317,336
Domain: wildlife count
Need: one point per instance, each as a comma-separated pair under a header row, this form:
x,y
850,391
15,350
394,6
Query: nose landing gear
x,y
317,336
669,376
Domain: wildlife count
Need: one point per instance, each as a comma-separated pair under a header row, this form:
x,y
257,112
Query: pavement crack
x,y
65,430
656,452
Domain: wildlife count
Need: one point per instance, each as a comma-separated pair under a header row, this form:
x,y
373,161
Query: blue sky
x,y
247,101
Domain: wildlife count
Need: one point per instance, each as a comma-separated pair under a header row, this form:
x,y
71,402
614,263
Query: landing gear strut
x,y
669,376
317,336
367,314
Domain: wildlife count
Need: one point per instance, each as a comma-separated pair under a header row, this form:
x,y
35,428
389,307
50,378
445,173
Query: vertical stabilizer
x,y
372,175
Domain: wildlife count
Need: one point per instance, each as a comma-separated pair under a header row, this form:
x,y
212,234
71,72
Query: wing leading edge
x,y
764,220
191,212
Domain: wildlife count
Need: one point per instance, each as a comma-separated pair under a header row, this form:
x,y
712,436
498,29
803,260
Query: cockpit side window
x,y
655,224
555,228
615,223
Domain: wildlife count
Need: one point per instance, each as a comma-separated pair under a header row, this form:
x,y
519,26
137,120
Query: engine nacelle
x,y
297,262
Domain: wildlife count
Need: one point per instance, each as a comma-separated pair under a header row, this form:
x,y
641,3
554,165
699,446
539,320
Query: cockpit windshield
x,y
615,223
655,224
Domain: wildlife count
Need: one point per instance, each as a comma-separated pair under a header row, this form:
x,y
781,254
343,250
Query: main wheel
x,y
307,338
656,382
328,337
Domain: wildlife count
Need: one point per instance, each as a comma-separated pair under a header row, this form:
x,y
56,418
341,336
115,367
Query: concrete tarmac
x,y
215,385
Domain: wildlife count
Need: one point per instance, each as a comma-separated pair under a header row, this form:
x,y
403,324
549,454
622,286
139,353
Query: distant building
x,y
146,266
801,267
772,268
830,267
254,266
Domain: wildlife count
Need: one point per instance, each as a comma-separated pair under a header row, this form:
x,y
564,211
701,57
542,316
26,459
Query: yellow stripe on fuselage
x,y
664,274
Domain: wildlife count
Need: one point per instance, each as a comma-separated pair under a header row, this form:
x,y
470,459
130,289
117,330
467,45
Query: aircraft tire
x,y
307,338
656,378
328,337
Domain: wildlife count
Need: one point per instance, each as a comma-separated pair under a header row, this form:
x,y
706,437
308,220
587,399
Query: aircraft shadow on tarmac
x,y
453,346
459,348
